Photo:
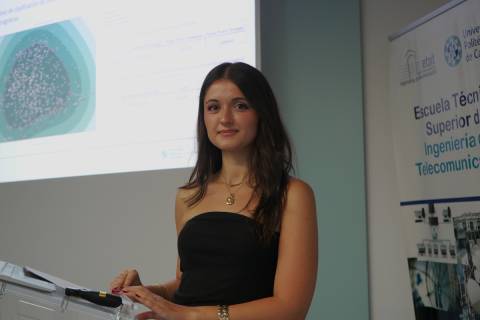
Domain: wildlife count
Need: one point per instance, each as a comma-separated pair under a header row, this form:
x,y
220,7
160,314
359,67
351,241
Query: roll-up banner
x,y
435,112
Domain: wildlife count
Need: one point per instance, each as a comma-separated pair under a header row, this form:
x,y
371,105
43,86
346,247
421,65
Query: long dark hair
x,y
271,156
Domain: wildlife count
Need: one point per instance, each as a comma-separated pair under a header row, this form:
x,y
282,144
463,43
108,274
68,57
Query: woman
x,y
247,235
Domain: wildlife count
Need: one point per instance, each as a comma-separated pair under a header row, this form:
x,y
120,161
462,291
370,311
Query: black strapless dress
x,y
223,262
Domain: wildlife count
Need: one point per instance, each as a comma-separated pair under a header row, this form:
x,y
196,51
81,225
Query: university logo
x,y
415,68
453,51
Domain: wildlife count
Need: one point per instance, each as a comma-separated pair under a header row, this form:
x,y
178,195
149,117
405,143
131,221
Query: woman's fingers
x,y
138,292
132,278
117,282
147,298
131,293
128,277
160,307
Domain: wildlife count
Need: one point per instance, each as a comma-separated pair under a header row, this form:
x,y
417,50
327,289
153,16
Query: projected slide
x,y
97,87
48,82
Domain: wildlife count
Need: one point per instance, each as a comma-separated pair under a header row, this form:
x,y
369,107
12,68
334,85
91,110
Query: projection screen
x,y
95,87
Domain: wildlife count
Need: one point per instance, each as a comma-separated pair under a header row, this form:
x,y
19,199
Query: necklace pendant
x,y
230,199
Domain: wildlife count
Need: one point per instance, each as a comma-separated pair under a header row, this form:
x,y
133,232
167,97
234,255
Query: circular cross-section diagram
x,y
47,82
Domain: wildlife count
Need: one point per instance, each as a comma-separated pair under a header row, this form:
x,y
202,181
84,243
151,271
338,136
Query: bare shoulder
x,y
183,195
181,205
299,191
300,202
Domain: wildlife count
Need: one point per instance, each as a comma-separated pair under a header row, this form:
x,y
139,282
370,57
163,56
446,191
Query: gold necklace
x,y
230,199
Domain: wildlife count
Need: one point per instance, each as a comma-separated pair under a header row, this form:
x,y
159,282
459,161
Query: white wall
x,y
86,229
390,295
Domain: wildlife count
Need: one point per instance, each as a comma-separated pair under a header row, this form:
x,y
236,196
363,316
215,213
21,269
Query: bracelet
x,y
222,312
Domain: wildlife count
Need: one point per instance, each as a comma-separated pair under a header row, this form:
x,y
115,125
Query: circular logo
x,y
453,51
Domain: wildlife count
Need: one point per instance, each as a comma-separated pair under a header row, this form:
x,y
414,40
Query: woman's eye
x,y
212,108
242,106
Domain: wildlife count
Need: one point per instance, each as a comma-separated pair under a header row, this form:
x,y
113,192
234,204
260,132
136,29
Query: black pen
x,y
98,297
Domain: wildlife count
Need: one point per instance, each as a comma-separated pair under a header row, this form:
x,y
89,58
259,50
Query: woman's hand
x,y
126,278
160,308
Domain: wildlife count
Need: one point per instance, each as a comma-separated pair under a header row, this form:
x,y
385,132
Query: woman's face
x,y
230,120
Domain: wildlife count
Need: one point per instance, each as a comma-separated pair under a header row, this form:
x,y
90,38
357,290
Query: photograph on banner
x,y
435,111
443,246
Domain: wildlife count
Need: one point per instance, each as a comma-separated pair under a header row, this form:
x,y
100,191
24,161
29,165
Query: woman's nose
x,y
226,115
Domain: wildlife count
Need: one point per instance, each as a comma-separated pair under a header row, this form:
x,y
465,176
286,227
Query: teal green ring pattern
x,y
47,84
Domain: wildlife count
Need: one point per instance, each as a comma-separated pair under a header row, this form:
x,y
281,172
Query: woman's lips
x,y
227,133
